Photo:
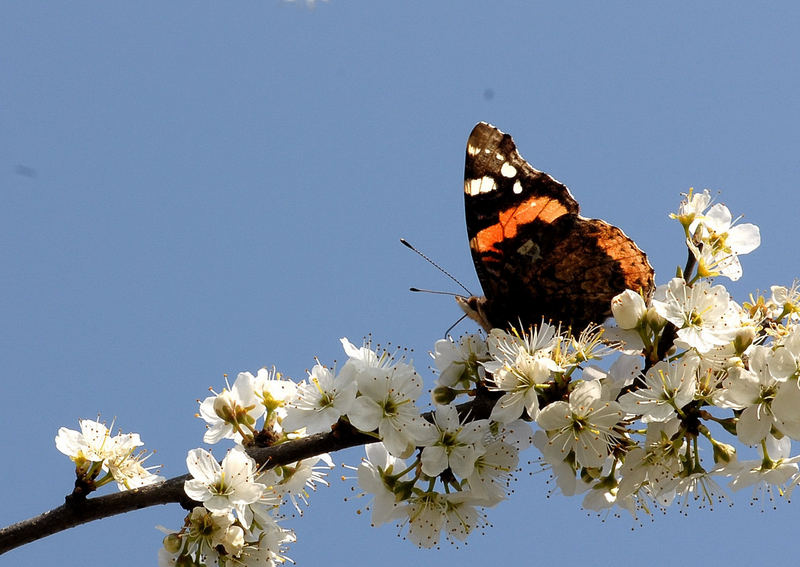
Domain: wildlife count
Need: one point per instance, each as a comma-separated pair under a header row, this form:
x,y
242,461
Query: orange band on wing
x,y
545,210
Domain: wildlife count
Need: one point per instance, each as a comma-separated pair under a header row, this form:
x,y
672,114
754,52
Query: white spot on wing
x,y
484,184
473,150
501,157
517,187
508,170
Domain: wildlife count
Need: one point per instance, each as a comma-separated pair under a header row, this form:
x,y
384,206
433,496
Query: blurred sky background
x,y
189,189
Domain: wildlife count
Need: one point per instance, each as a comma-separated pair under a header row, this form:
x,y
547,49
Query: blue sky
x,y
194,189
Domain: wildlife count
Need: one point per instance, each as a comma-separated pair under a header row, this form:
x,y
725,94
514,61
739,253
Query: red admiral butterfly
x,y
536,257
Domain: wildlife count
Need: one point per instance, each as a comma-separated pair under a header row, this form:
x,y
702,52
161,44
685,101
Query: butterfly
x,y
535,256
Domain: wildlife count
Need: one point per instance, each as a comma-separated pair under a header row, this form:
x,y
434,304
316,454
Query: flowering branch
x,y
78,509
691,367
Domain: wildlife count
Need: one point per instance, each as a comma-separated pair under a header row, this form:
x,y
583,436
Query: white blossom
x,y
459,361
222,488
584,425
319,401
519,365
717,243
230,410
115,455
458,444
492,472
758,393
426,517
775,469
387,391
704,315
669,387
382,475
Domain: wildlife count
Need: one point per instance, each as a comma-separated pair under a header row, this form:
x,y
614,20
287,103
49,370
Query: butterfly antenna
x,y
438,267
416,289
453,326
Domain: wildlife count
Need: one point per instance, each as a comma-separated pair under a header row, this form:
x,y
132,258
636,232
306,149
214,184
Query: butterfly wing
x,y
534,255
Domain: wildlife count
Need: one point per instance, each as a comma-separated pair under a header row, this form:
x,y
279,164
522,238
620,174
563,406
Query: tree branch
x,y
76,511
80,510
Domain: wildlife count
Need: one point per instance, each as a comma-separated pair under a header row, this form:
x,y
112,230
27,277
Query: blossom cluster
x,y
429,472
95,451
238,521
691,367
236,524
690,372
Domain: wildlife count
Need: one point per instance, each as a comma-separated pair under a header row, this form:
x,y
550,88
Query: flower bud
x,y
654,320
233,542
442,395
628,308
744,338
172,543
723,453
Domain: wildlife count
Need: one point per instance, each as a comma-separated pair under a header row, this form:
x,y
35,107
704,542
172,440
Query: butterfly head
x,y
475,308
